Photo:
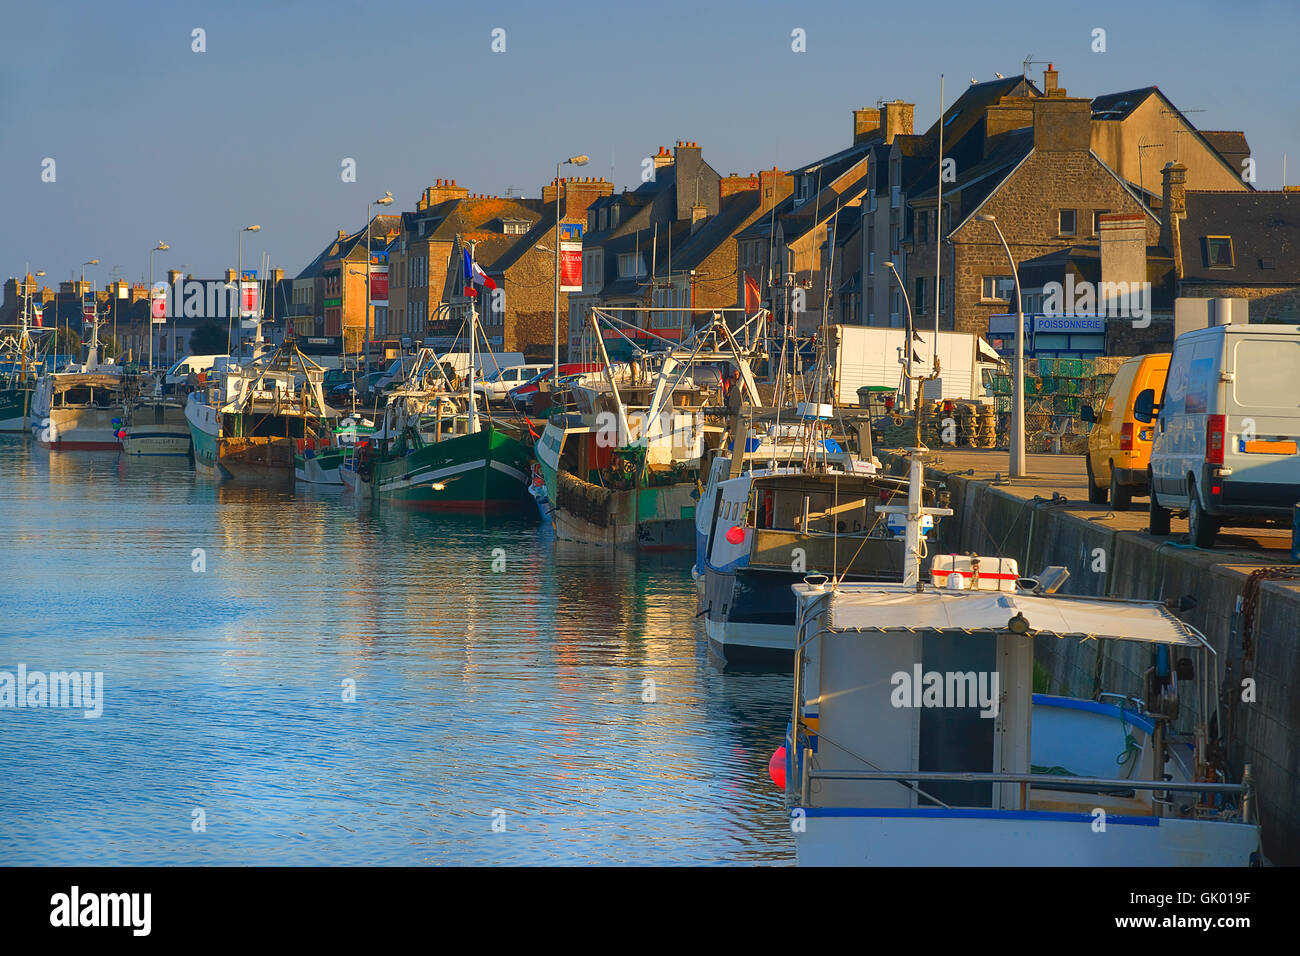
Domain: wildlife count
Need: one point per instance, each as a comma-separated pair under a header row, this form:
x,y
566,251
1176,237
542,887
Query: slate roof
x,y
1264,226
1229,143
716,230
1117,106
977,182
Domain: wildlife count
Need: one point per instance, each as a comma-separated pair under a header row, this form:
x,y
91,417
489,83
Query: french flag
x,y
475,276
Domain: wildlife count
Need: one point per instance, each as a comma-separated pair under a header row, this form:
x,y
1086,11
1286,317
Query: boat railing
x,y
1026,780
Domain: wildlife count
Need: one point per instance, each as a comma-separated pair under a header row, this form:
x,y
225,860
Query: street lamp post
x,y
571,161
239,287
385,200
1017,468
161,247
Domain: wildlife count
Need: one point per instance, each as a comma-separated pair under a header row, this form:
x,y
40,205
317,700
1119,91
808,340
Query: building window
x,y
630,264
1069,221
918,303
998,288
871,263
1218,252
922,227
1096,220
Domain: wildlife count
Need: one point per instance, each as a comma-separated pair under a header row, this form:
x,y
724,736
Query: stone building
x,y
336,278
1234,245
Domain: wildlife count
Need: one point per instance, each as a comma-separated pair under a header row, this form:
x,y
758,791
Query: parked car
x,y
341,394
1119,446
521,395
1227,442
498,384
178,373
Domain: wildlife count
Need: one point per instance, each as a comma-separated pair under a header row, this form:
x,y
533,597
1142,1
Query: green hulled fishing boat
x,y
317,461
435,452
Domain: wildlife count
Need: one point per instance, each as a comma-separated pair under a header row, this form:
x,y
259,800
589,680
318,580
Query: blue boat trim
x,y
977,813
1096,707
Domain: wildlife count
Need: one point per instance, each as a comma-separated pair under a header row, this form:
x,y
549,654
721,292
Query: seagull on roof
x,y
973,80
999,76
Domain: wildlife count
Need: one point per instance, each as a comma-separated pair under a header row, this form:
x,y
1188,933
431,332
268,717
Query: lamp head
x,y
985,217
252,229
578,160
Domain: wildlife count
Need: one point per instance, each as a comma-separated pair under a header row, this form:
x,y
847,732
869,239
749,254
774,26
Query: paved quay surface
x,y
1066,475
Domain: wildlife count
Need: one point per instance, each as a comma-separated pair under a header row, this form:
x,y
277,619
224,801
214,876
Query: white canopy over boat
x,y
899,608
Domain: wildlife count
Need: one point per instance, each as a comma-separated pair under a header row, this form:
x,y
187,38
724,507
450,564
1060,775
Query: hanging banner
x,y
38,312
379,285
158,304
570,266
249,313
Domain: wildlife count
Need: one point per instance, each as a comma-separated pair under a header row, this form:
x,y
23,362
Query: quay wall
x,y
1265,733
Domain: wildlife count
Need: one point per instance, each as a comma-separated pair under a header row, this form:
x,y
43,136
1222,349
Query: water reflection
x,y
520,688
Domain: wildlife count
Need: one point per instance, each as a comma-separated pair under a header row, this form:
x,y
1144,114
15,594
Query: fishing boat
x,y
21,365
154,425
318,460
436,452
916,737
246,423
810,507
623,467
80,408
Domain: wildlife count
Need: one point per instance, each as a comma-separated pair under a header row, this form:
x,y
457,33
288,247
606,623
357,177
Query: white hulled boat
x,y
916,738
80,408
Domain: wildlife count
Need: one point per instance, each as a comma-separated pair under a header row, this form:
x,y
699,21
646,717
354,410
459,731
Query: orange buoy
x,y
776,767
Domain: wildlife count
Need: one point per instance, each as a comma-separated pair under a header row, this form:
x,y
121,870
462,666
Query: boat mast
x,y
473,330
913,540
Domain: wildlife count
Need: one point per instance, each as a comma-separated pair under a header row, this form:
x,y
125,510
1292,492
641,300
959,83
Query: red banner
x,y
158,305
379,284
570,266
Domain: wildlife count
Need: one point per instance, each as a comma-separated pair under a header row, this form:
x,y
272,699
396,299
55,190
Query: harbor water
x,y
289,678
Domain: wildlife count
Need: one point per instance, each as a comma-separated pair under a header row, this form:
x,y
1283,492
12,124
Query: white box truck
x,y
866,355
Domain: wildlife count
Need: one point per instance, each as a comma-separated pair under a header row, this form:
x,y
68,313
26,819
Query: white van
x,y
177,374
486,363
1227,436
496,386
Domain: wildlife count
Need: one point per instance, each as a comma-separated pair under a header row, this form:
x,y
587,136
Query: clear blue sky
x,y
153,141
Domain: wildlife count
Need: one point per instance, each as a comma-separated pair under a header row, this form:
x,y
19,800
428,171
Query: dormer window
x,y
1218,252
630,265
514,227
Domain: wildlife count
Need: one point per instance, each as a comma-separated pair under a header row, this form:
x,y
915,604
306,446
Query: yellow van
x,y
1119,446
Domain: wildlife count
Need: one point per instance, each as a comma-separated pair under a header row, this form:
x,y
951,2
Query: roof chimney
x,y
1049,82
866,122
896,119
1173,209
